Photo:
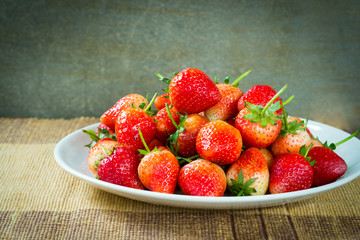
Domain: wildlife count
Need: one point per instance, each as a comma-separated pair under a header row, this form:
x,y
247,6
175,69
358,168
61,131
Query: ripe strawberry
x,y
121,168
202,178
290,172
102,148
291,138
164,124
328,165
219,142
192,91
158,169
259,126
161,100
258,95
130,120
183,140
230,95
250,165
109,117
127,125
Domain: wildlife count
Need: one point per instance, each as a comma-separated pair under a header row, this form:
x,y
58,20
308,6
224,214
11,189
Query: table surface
x,y
40,200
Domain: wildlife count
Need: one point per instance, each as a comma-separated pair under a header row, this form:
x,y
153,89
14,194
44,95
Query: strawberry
x,y
202,178
183,140
192,91
129,121
102,148
258,95
259,126
230,95
161,100
269,158
109,117
158,169
164,124
251,166
328,165
291,172
292,137
121,168
219,142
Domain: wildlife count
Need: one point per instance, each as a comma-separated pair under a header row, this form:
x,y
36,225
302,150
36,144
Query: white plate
x,y
71,155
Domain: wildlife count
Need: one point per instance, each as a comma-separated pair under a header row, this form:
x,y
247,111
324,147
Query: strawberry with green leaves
x,y
219,142
109,117
121,168
183,140
192,91
329,166
230,95
292,137
291,172
258,95
164,124
260,126
129,121
202,178
249,175
158,170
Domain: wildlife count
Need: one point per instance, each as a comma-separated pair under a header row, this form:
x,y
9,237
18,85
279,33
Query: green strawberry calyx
x,y
264,115
179,127
166,80
304,152
292,127
102,133
239,188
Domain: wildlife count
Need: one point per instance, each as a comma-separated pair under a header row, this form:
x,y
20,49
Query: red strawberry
x,y
290,172
102,148
328,165
109,117
192,91
183,141
258,95
219,142
164,124
127,125
250,165
230,95
202,178
259,126
121,168
161,100
159,170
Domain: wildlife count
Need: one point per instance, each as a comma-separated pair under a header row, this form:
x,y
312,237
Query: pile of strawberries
x,y
207,139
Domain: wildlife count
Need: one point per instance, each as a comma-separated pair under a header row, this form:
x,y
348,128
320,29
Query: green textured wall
x,y
64,59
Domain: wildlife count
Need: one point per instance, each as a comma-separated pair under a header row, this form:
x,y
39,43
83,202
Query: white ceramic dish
x,y
71,155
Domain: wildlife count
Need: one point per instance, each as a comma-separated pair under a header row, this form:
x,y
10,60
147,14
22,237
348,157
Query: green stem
x,y
143,140
289,100
151,102
284,117
235,83
170,116
307,150
272,100
348,138
159,75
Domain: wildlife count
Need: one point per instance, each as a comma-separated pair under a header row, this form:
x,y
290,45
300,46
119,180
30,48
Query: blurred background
x,y
66,59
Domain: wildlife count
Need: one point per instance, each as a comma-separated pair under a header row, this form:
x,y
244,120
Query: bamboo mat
x,y
39,200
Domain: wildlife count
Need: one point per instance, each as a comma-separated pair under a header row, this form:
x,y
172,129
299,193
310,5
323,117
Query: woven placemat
x,y
39,200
